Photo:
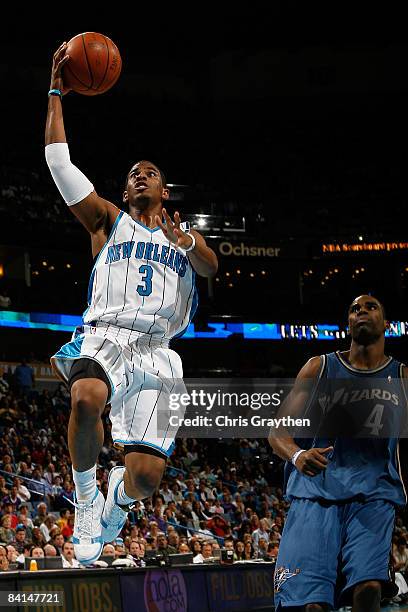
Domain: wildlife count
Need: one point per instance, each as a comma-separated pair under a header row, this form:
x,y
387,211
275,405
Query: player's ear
x,y
165,193
386,325
125,197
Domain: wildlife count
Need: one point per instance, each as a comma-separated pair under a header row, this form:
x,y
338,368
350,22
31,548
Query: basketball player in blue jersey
x,y
343,490
141,295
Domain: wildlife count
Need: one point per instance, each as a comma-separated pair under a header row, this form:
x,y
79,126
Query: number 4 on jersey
x,y
373,421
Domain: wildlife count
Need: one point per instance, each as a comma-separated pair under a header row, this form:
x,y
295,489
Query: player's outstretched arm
x,y
308,462
78,192
202,258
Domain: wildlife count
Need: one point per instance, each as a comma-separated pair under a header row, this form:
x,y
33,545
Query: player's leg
x,y
85,428
89,393
306,567
139,479
367,596
143,474
365,553
140,423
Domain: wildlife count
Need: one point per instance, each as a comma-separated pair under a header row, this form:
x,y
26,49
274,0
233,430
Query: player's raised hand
x,y
172,230
59,60
313,461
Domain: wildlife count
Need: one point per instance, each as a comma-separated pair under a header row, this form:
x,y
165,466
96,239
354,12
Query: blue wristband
x,y
55,92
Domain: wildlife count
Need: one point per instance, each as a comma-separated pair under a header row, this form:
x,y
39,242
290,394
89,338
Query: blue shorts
x,y
327,545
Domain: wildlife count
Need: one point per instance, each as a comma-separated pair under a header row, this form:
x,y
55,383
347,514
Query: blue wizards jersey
x,y
361,414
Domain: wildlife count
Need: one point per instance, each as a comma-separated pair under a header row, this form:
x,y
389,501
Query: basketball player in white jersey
x,y
141,295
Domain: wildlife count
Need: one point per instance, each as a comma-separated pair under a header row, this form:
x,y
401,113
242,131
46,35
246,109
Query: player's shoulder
x,y
404,370
313,367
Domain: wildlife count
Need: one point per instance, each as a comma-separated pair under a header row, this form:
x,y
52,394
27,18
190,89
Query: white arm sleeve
x,y
71,182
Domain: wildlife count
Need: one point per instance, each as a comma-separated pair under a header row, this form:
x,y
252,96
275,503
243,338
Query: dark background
x,y
290,117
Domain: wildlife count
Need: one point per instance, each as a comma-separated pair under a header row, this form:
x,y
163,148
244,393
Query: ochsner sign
x,y
165,591
244,250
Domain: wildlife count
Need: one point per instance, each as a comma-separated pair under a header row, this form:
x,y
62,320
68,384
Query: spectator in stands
x,y
260,534
273,549
38,537
20,539
153,531
41,513
142,544
218,525
50,550
12,554
108,550
229,545
7,533
216,507
4,562
68,530
177,494
165,492
173,539
4,490
68,556
261,551
58,540
135,552
37,552
206,553
163,545
47,525
62,520
24,520
24,376
183,548
400,555
239,550
249,552
13,498
56,488
22,492
157,518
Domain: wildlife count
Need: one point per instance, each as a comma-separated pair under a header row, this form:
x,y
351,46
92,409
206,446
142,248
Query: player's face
x,y
366,319
144,186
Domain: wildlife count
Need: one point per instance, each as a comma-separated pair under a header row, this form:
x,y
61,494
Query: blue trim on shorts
x,y
71,350
130,442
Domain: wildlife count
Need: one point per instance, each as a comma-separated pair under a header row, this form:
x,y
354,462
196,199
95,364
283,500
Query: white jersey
x,y
141,282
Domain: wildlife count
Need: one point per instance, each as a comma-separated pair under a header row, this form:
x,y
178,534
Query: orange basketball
x,y
94,64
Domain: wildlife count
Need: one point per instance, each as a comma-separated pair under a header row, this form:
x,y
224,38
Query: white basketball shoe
x,y
114,515
87,538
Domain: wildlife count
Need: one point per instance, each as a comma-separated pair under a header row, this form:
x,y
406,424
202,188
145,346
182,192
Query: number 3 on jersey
x,y
145,289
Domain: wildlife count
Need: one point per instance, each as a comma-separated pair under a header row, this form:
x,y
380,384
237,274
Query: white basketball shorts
x,y
143,371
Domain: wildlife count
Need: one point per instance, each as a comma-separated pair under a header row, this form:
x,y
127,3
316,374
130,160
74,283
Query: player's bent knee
x,y
88,400
317,607
144,472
